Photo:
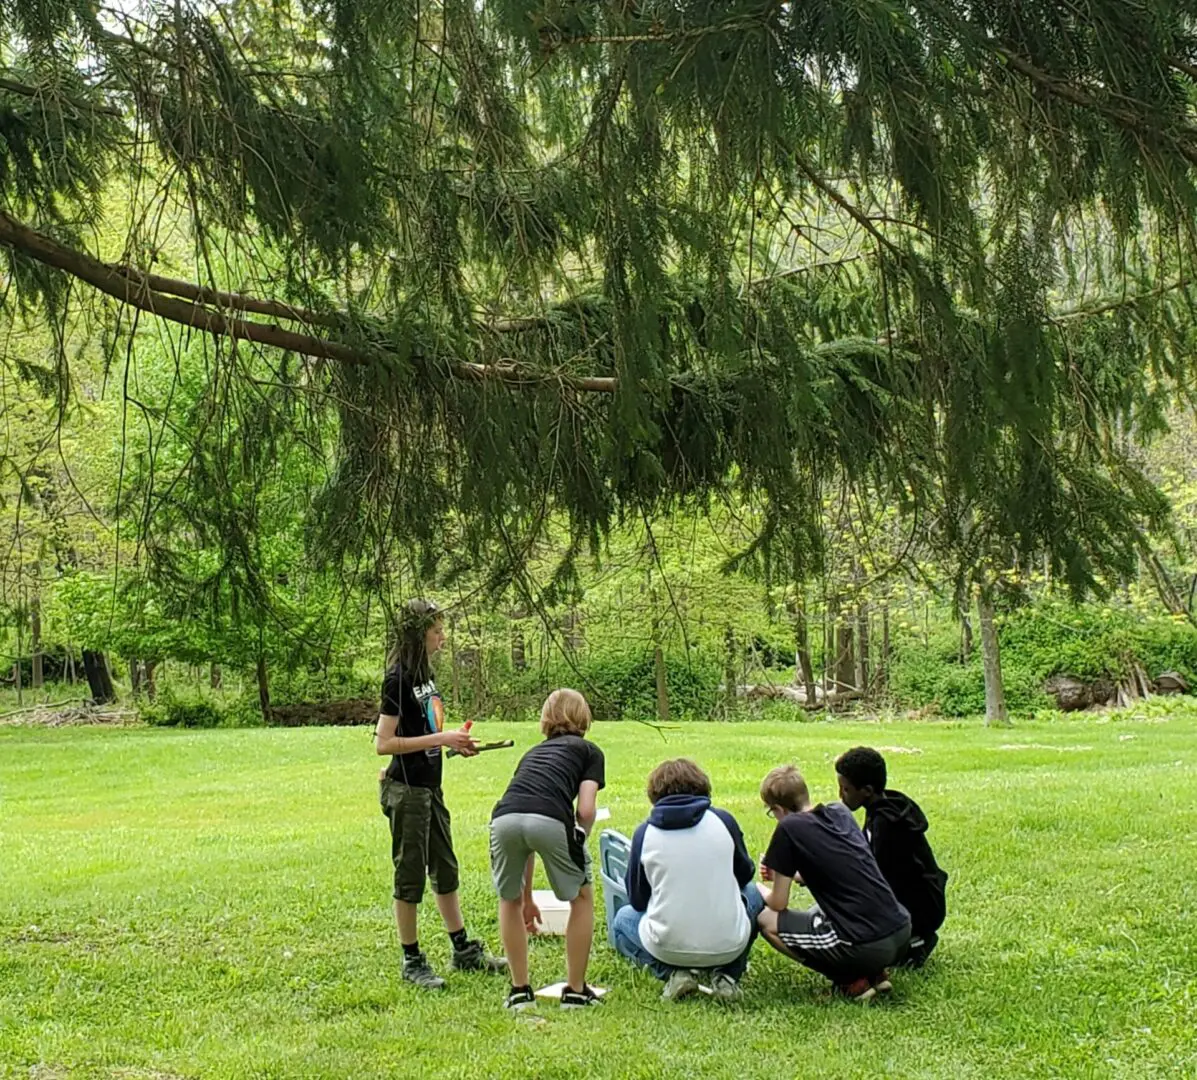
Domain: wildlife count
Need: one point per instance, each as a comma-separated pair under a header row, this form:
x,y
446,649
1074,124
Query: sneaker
x,y
520,998
861,990
725,988
417,971
881,983
579,999
474,957
681,984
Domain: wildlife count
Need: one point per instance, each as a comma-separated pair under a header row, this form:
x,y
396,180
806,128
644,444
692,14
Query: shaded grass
x,y
216,904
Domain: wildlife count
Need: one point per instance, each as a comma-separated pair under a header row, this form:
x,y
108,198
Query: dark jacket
x,y
897,832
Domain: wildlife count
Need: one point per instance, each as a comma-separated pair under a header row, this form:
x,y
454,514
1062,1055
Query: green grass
x,y
216,904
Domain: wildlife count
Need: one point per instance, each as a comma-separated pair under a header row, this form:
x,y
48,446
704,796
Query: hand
x,y
532,917
382,774
766,873
459,741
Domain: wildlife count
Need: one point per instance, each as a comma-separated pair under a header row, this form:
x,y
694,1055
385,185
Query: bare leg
x,y
515,939
450,909
405,920
579,932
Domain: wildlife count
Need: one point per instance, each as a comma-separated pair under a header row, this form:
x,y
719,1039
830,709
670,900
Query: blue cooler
x,y
614,851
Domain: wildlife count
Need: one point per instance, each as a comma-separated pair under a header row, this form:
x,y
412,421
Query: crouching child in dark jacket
x,y
896,829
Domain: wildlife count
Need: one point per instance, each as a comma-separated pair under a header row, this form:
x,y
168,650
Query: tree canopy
x,y
487,264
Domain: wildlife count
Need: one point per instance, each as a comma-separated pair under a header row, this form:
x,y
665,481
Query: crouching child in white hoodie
x,y
693,904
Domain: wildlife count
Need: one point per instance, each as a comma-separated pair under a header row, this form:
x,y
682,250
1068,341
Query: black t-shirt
x,y
421,712
547,779
827,849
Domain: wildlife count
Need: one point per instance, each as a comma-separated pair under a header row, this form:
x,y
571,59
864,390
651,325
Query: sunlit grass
x,y
216,904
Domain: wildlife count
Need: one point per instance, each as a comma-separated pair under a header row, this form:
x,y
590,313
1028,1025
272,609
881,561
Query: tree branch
x,y
136,290
40,92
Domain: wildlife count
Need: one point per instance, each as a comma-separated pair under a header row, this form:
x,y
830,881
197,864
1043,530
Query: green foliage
x,y
814,244
171,710
1098,641
626,684
1090,642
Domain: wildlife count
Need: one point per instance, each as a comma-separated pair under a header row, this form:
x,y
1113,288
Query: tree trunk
x,y
730,678
806,671
35,623
135,676
862,647
991,657
883,671
149,669
263,687
215,677
70,664
519,655
966,638
662,684
845,653
831,619
99,678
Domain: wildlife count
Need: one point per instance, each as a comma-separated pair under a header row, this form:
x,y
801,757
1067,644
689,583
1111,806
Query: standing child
x,y
411,729
857,928
536,816
896,829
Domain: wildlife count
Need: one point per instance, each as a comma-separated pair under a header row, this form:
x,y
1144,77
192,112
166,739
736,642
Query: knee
x,y
626,921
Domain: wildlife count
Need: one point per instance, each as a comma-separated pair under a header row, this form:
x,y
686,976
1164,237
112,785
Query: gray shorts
x,y
516,837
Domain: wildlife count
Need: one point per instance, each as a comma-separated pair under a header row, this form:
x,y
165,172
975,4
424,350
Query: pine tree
x,y
593,258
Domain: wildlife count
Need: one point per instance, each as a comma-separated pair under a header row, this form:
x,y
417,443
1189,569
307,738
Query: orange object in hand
x,y
467,725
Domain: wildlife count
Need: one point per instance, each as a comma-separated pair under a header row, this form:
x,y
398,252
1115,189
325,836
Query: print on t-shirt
x,y
434,712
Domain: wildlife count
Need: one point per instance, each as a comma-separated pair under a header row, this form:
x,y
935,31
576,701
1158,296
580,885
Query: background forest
x,y
704,355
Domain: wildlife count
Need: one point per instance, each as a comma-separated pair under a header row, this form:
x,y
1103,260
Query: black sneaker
x,y
416,970
474,957
579,999
520,998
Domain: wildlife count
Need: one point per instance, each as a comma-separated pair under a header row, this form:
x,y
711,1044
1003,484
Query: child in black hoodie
x,y
896,830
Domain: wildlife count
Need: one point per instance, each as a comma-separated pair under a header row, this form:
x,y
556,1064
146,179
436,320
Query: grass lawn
x,y
216,904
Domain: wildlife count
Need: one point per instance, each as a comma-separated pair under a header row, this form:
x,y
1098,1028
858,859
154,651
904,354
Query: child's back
x,y
547,779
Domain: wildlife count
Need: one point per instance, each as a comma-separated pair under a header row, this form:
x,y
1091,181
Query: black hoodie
x,y
897,832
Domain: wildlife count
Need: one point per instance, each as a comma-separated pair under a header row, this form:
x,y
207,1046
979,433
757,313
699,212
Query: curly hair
x,y
863,767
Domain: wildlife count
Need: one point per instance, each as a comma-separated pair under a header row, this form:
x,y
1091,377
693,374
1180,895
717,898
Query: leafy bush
x,y
173,711
621,685
1050,637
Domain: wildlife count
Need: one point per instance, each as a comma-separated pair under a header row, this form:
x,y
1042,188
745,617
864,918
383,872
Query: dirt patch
x,y
327,713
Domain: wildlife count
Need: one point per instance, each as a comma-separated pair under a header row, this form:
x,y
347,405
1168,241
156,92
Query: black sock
x,y
459,939
410,952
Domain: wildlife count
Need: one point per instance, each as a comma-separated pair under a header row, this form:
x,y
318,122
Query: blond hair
x,y
564,712
785,787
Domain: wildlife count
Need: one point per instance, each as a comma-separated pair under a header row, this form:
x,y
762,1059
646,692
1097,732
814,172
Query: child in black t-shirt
x,y
536,816
410,727
857,928
896,829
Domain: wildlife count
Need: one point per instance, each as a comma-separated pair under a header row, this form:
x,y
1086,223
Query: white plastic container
x,y
554,913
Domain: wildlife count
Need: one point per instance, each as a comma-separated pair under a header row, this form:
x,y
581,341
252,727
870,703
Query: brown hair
x,y
785,787
679,777
407,651
564,712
